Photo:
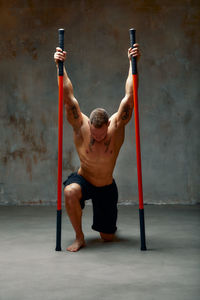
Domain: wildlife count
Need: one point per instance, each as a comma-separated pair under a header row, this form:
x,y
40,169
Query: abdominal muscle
x,y
97,173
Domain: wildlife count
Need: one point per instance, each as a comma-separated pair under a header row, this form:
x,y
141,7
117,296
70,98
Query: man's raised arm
x,y
72,109
126,106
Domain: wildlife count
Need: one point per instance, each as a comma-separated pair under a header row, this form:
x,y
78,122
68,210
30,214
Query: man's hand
x,y
134,52
59,55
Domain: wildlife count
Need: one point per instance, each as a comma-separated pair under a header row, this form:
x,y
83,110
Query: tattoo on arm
x,y
74,112
126,111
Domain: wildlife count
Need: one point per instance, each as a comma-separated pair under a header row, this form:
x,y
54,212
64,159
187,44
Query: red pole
x,y
137,138
60,145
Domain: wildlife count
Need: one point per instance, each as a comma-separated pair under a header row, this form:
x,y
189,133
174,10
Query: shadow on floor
x,y
118,241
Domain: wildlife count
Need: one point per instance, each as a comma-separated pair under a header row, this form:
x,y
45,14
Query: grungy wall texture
x,y
97,40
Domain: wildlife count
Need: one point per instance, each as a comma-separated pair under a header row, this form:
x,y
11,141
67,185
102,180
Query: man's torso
x,y
98,159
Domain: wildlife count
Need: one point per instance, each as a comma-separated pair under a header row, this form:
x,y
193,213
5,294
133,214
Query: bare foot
x,y
77,244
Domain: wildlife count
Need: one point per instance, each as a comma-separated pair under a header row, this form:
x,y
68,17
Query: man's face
x,y
99,134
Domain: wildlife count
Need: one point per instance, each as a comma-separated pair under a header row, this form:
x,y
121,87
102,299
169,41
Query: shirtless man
x,y
98,140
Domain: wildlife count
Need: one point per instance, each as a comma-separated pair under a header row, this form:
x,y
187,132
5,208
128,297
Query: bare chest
x,y
98,154
105,152
104,148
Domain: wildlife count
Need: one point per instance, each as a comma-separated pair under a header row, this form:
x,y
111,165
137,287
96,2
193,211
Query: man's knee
x,y
72,193
107,237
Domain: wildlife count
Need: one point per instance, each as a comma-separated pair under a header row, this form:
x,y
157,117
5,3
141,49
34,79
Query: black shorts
x,y
104,200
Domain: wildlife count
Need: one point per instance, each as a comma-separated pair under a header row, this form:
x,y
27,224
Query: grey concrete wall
x,y
97,40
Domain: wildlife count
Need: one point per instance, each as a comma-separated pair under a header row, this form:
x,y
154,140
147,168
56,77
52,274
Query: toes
x,y
75,247
72,249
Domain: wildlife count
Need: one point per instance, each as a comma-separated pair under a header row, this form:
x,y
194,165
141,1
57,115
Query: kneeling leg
x,y
107,237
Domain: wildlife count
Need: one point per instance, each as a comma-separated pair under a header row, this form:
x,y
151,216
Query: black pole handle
x,y
58,230
133,59
61,45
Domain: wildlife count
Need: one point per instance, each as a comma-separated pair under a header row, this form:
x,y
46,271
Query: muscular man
x,y
98,140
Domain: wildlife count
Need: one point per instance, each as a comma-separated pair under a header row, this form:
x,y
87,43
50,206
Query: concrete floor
x,y
31,269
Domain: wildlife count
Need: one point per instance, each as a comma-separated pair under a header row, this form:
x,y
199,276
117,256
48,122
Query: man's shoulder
x,y
85,125
81,130
113,119
85,118
114,122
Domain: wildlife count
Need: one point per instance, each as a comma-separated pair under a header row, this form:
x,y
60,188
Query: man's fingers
x,y
59,54
134,52
59,58
133,49
59,49
134,55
